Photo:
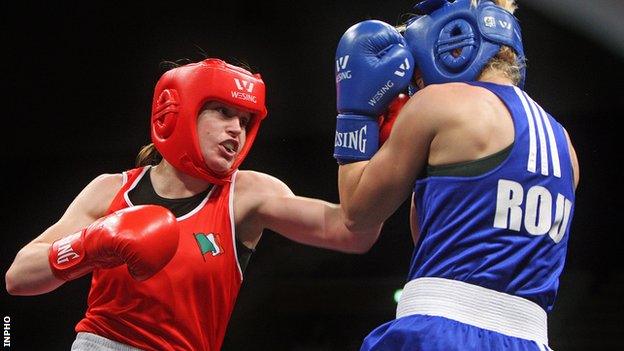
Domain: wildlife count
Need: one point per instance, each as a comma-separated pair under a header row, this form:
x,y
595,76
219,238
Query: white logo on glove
x,y
403,68
355,140
341,64
65,251
379,94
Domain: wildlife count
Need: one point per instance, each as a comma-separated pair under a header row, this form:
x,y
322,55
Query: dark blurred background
x,y
78,80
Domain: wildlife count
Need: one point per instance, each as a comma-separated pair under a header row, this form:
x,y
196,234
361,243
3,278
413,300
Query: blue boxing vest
x,y
507,229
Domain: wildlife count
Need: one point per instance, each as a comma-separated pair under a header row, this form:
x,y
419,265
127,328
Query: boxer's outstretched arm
x,y
30,273
317,223
267,202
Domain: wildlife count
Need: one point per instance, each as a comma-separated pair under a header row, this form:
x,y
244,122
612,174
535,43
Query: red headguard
x,y
178,98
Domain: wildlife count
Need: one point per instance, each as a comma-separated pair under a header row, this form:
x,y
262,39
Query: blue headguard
x,y
449,25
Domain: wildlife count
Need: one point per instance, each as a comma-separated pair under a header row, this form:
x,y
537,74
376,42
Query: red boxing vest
x,y
185,306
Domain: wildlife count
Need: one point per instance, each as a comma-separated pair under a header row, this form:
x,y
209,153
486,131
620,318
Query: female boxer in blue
x,y
491,174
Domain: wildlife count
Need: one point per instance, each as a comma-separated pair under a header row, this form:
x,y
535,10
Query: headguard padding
x,y
453,41
179,97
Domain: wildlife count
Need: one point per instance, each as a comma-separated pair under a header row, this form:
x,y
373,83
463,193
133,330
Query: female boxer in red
x,y
167,242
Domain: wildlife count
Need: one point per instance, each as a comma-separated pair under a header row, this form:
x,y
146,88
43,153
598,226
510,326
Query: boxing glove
x,y
145,238
386,120
373,65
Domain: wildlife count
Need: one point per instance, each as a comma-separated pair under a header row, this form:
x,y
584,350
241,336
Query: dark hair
x,y
148,155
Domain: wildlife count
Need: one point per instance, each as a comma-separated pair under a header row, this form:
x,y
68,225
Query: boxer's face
x,y
221,129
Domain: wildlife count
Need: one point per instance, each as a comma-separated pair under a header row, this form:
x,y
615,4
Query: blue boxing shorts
x,y
436,314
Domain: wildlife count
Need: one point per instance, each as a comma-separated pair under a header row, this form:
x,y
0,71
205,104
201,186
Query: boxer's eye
x,y
244,121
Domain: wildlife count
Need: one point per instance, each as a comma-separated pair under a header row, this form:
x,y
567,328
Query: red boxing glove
x,y
143,237
386,120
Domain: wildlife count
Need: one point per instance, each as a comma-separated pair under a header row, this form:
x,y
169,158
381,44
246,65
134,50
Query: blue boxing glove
x,y
373,66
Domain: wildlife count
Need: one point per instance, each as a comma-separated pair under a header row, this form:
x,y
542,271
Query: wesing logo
x,y
402,68
505,24
355,140
65,250
245,88
379,94
341,65
244,85
490,22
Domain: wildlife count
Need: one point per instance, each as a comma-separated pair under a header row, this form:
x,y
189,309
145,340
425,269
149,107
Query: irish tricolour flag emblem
x,y
209,243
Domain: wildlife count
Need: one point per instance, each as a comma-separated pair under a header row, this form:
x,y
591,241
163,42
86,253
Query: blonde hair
x,y
506,61
509,5
148,155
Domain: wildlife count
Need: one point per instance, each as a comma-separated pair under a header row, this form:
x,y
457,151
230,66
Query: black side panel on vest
x,y
470,168
244,254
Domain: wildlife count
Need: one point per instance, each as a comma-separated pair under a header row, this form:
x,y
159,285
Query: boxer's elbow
x,y
362,247
362,240
16,284
359,223
12,283
24,278
357,235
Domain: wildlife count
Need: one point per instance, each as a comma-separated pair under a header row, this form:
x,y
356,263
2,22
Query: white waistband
x,y
474,305
93,342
